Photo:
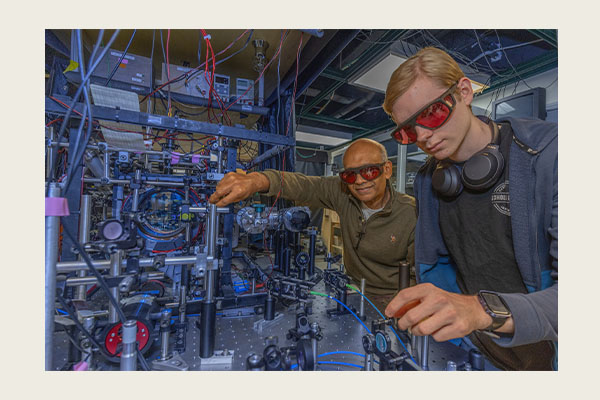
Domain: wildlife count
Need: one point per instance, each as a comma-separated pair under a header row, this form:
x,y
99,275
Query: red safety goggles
x,y
432,116
368,172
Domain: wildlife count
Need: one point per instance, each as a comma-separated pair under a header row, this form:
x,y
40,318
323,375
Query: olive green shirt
x,y
373,248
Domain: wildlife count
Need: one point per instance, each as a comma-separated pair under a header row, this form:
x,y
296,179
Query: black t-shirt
x,y
476,228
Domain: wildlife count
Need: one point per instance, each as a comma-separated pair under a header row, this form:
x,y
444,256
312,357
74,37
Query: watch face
x,y
495,304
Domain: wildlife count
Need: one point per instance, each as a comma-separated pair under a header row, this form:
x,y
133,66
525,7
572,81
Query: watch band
x,y
497,320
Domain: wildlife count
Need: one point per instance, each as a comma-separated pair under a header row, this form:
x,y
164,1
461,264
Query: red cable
x,y
261,73
212,91
53,121
192,71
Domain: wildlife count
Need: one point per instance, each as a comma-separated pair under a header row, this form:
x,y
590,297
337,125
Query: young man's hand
x,y
438,313
237,187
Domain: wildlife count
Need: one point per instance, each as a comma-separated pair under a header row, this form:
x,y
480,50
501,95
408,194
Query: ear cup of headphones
x,y
483,169
446,180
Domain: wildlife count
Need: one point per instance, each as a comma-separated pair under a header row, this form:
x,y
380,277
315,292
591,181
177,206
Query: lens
x,y
370,173
434,115
348,176
405,135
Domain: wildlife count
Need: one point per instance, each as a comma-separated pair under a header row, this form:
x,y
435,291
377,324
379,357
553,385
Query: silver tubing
x,y
70,266
84,237
363,282
112,148
136,191
206,210
212,233
52,231
261,91
369,362
115,270
106,177
94,164
401,169
188,226
128,355
165,320
425,353
182,302
90,280
86,344
127,182
315,344
51,150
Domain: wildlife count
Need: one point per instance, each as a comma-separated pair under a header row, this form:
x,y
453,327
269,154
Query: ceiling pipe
x,y
321,52
354,105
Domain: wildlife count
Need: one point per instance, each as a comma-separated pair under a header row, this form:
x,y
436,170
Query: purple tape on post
x,y
195,158
57,207
81,366
175,158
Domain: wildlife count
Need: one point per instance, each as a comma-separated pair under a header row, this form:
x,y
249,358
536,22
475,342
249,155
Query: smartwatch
x,y
495,307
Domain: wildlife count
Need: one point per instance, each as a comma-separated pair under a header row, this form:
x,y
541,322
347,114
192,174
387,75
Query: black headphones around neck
x,y
478,173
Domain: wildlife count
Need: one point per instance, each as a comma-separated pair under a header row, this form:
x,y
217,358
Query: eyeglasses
x,y
368,172
432,116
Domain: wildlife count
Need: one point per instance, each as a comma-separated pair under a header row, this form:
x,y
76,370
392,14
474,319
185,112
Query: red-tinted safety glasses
x,y
432,116
368,172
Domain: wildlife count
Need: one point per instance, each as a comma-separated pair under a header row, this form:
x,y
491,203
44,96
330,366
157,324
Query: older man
x,y
377,223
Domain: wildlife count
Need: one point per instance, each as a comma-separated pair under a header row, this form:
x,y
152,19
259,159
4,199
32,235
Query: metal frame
x,y
175,123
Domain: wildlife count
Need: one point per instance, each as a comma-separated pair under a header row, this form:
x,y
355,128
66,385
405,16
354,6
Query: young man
x,y
486,244
377,223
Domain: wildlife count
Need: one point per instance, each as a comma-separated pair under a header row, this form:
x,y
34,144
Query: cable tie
x,y
207,37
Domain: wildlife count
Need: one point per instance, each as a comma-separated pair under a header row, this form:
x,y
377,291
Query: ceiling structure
x,y
330,104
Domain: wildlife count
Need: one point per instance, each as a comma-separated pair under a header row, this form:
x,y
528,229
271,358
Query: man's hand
x,y
236,187
438,313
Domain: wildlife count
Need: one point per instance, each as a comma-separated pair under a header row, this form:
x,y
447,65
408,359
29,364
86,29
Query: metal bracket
x,y
222,360
175,363
260,325
214,176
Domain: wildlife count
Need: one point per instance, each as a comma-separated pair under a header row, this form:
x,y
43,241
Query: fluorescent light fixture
x,y
320,139
376,75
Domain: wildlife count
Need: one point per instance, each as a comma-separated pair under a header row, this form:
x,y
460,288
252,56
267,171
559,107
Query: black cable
x,y
162,96
512,66
152,62
74,318
283,32
72,340
77,152
70,109
486,58
120,59
102,284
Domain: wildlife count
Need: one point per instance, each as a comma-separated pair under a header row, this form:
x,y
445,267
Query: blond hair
x,y
428,62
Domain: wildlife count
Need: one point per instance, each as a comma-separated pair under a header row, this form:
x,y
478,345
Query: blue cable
x,y
332,362
344,352
62,311
340,363
382,316
340,352
355,316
